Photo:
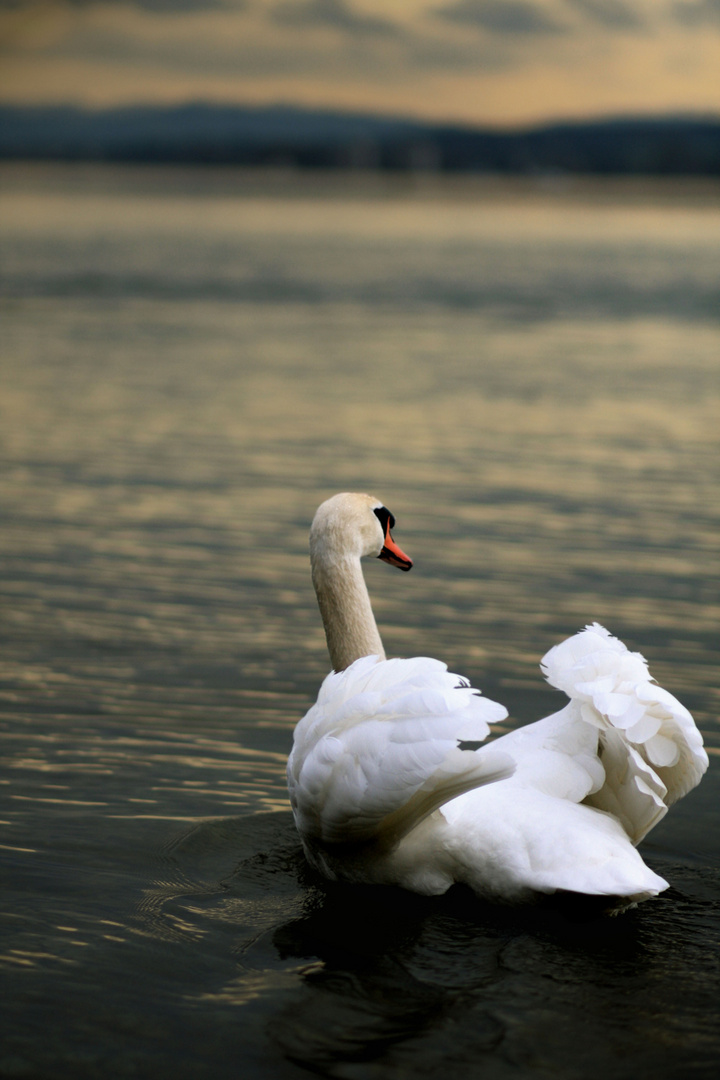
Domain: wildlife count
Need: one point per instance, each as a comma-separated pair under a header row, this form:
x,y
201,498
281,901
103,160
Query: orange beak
x,y
392,554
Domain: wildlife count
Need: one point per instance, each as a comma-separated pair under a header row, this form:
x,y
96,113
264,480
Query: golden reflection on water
x,y
530,382
548,464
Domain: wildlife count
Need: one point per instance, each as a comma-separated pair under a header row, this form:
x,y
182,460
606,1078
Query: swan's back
x,y
382,792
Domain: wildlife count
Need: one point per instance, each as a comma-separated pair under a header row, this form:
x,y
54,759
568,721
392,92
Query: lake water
x,y
528,374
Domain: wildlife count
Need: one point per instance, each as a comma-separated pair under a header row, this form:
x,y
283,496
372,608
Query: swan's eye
x,y
385,518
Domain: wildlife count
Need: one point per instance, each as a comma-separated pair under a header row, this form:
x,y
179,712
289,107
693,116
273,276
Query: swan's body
x,y
383,790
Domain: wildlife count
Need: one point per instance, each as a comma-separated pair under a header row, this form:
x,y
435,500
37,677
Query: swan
x,y
389,785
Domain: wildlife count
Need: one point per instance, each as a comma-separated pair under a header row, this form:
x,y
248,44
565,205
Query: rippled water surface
x,y
530,379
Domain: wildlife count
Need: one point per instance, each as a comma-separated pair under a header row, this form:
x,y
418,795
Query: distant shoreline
x,y
283,182
284,137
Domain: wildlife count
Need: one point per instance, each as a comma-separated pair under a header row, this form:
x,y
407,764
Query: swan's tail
x,y
651,751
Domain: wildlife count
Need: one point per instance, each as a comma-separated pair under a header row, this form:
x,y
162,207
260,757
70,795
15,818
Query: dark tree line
x,y
208,134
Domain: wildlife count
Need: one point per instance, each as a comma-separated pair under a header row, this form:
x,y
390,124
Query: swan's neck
x,y
350,627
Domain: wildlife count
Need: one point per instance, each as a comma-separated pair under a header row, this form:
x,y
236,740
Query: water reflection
x,y
394,983
532,387
452,983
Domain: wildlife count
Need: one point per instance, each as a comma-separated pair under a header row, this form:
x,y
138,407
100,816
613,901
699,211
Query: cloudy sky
x,y
497,61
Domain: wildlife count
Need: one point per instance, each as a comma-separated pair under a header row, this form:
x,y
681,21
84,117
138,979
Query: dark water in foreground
x,y
190,362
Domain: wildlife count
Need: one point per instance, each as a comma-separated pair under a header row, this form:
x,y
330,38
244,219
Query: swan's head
x,y
356,526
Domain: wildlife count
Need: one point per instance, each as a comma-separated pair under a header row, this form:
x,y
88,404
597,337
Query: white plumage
x,y
383,791
379,750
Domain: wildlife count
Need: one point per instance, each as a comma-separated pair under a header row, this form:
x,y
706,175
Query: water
x,y
191,361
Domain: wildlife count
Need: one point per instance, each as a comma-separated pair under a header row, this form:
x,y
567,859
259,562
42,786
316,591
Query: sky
x,y
500,62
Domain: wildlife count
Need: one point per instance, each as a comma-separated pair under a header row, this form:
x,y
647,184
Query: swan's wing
x,y
512,839
379,750
649,746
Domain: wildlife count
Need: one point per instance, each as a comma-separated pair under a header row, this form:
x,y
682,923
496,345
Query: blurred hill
x,y
279,135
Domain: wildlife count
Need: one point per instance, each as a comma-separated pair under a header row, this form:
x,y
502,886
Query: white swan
x,y
383,790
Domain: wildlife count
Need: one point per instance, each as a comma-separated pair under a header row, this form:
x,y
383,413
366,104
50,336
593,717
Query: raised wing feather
x,y
649,746
379,751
